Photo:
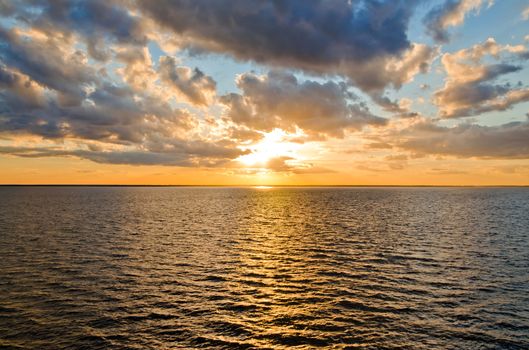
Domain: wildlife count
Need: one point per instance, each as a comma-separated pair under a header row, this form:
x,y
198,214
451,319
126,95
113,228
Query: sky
x,y
256,92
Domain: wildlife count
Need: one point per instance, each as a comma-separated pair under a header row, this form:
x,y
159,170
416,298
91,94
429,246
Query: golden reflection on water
x,y
271,277
262,187
252,268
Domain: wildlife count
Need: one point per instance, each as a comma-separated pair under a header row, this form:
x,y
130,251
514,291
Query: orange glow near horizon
x,y
57,170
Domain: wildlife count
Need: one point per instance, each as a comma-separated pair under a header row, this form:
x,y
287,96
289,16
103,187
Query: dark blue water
x,y
160,268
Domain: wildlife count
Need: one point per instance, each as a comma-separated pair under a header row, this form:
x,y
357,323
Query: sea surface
x,y
237,268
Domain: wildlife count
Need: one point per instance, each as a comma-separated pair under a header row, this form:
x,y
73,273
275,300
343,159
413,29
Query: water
x,y
160,268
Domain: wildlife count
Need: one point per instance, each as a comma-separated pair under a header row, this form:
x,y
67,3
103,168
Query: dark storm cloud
x,y
321,36
350,38
309,32
363,40
94,19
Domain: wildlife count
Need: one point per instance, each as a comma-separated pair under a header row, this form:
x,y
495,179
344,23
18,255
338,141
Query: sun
x,y
273,145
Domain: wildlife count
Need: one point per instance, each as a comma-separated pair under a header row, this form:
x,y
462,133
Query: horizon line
x,y
241,186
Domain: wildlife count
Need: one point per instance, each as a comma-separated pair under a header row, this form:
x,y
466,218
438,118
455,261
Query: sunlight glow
x,y
262,187
274,144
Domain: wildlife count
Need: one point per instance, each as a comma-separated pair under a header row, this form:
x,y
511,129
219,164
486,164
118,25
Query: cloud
x,y
50,88
279,100
144,128
18,92
193,155
525,13
137,67
364,40
377,74
244,135
506,141
470,87
450,14
315,33
97,21
197,87
79,77
445,171
125,128
287,164
49,61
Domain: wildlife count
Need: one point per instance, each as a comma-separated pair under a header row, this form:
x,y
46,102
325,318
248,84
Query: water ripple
x,y
236,268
